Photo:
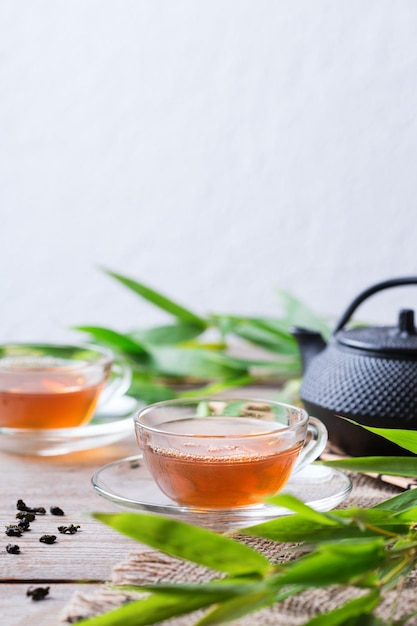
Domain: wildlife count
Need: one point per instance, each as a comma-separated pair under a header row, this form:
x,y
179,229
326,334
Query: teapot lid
x,y
400,340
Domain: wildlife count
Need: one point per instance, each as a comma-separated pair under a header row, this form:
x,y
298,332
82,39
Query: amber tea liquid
x,y
225,472
44,396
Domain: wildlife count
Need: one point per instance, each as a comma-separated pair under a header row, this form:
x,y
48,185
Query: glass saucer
x,y
128,483
111,423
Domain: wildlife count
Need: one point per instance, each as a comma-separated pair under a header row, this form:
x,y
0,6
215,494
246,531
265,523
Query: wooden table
x,y
88,555
74,561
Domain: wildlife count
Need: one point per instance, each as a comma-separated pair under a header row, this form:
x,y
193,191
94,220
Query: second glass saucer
x,y
128,483
113,423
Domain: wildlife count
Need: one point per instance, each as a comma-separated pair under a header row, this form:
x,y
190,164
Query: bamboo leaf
x,y
261,332
335,563
353,524
393,465
159,300
289,392
294,504
296,313
407,439
155,608
113,339
195,362
148,390
402,502
252,601
189,542
409,515
237,607
356,610
281,367
169,334
215,388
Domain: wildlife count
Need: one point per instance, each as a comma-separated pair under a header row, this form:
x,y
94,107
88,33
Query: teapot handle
x,y
386,284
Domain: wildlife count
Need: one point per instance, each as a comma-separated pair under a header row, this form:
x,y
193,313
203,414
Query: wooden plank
x,y
17,609
65,482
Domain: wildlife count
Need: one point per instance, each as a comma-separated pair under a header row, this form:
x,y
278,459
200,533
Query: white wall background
x,y
214,149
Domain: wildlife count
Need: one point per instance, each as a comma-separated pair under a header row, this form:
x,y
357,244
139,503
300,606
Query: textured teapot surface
x,y
355,384
369,375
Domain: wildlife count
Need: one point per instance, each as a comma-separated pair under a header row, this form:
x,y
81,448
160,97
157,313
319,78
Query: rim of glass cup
x,y
105,355
301,413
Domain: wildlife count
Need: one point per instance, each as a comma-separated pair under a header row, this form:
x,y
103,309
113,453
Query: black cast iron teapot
x,y
367,374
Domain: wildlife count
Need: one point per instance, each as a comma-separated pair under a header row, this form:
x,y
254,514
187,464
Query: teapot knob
x,y
406,322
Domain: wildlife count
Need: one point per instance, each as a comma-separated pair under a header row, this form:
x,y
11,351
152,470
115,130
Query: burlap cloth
x,y
152,566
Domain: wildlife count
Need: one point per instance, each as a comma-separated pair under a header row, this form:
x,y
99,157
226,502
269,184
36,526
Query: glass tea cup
x,y
216,453
48,386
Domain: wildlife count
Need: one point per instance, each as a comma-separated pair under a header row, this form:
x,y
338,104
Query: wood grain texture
x,y
88,555
17,609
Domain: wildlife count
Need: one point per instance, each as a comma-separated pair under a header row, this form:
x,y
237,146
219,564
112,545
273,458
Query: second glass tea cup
x,y
51,386
215,453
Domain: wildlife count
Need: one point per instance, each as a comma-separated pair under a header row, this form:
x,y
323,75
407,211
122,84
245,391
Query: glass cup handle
x,y
315,445
119,382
